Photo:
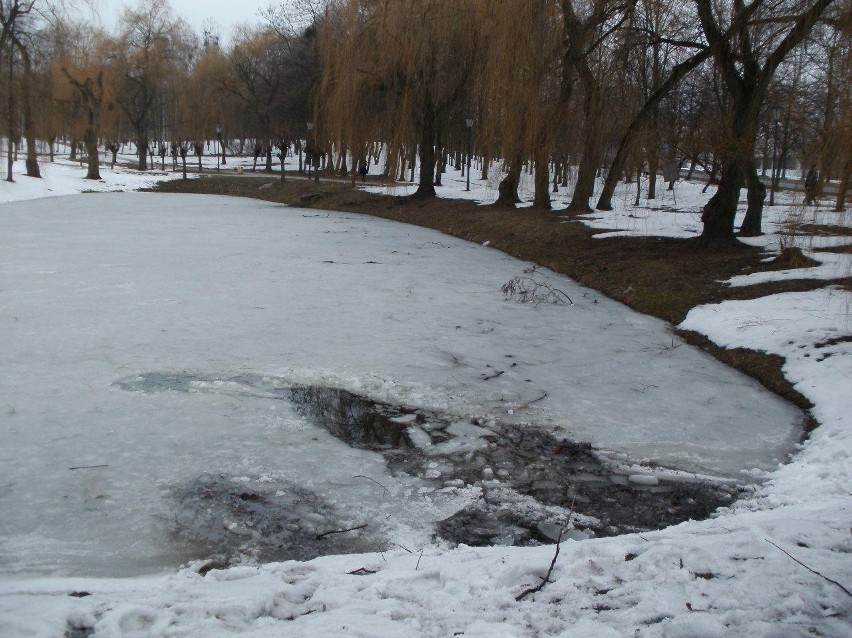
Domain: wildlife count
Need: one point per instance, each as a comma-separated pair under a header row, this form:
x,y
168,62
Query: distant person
x,y
362,170
811,185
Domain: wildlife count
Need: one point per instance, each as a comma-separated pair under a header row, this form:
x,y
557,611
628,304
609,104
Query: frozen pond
x,y
229,301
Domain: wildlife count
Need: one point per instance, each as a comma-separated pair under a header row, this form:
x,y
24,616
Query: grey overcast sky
x,y
226,13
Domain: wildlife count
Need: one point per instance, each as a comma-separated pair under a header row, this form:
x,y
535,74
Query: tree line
x,y
611,87
581,93
152,82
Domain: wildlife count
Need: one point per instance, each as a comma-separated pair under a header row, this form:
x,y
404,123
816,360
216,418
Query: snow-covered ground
x,y
99,289
64,177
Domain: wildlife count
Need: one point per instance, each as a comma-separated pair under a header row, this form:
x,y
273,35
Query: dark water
x,y
227,521
531,482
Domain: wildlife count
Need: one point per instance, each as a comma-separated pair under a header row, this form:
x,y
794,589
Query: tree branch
x,y
810,569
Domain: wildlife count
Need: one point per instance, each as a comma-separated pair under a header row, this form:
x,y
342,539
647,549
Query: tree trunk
x,y
91,140
751,226
402,165
653,164
718,214
29,134
142,148
426,187
486,164
344,168
638,185
585,186
542,178
268,168
439,159
507,192
843,188
736,164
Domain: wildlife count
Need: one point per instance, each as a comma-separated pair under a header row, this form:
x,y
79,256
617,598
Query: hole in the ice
x,y
525,483
227,522
355,420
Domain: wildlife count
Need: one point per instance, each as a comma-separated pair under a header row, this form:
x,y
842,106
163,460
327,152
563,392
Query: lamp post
x,y
221,148
776,118
468,120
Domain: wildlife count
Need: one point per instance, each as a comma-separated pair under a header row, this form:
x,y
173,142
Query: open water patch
x,y
526,485
229,521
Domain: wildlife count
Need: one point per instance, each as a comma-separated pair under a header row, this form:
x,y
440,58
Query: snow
x,y
97,289
66,178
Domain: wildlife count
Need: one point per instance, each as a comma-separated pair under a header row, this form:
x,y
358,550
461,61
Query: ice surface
x,y
99,288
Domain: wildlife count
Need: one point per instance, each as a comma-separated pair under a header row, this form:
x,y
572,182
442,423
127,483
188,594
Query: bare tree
x,y
395,69
152,48
91,92
15,17
747,53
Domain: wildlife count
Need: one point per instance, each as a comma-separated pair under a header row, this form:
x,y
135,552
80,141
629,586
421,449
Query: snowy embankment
x,y
64,177
92,294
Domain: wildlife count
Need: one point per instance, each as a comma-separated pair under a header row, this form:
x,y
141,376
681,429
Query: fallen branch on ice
x,y
341,531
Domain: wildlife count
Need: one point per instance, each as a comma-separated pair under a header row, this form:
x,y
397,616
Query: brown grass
x,y
656,276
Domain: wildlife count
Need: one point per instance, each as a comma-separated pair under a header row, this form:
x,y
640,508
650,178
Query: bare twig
x,y
362,571
341,531
87,467
810,569
417,566
527,404
546,579
387,491
492,376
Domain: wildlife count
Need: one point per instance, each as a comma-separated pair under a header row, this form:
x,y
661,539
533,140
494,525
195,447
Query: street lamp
x,y
468,120
776,118
221,148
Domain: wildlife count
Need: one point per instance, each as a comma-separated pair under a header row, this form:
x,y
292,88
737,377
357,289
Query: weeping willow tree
x,y
519,80
835,142
543,68
394,70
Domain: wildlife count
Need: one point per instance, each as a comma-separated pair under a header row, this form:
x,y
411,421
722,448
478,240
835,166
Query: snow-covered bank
x,y
64,177
224,286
